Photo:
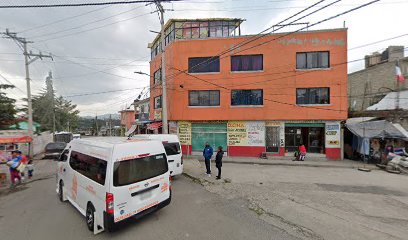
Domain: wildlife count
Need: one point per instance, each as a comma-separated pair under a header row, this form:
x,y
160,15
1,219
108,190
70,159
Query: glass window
x,y
157,76
312,96
246,97
247,63
204,98
204,64
158,102
310,60
88,166
139,169
172,148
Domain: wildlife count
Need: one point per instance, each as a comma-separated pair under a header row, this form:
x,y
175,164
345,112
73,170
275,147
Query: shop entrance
x,y
312,137
272,139
213,133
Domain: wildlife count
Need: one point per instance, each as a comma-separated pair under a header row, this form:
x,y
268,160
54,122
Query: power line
x,y
81,4
11,83
91,29
86,24
261,34
62,20
96,93
287,34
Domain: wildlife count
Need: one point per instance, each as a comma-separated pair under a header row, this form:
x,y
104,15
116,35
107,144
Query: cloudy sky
x,y
98,48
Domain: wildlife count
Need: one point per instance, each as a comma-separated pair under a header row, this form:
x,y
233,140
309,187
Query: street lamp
x,y
143,73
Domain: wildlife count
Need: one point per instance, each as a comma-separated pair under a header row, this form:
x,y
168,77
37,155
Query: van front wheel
x,y
90,219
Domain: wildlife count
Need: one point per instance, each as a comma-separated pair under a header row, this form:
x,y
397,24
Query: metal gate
x,y
272,139
213,133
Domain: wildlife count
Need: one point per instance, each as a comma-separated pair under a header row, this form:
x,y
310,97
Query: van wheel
x,y
90,219
61,191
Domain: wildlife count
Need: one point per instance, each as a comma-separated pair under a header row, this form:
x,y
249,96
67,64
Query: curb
x,y
289,164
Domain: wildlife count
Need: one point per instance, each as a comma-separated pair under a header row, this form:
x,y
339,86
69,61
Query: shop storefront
x,y
312,135
252,138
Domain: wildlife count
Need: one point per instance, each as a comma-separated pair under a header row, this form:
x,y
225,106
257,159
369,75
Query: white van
x,y
113,178
172,146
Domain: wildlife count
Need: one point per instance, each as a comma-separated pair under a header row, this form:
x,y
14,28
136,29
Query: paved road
x,y
34,212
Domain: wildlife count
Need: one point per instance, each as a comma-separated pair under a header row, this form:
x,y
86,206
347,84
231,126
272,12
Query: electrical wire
x,y
82,4
86,24
62,20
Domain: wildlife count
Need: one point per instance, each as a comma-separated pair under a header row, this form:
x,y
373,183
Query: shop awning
x,y
131,130
155,125
376,129
15,139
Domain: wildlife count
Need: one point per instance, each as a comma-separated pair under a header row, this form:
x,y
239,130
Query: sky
x,y
98,48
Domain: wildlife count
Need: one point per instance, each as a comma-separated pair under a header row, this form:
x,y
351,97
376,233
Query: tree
x,y
46,104
7,107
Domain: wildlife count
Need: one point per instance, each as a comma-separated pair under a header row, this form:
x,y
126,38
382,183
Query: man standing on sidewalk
x,y
207,153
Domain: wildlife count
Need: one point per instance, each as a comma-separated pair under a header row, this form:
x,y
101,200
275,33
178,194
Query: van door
x,y
138,184
173,152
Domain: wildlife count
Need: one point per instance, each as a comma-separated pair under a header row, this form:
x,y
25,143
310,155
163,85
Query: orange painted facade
x,y
127,118
279,125
278,79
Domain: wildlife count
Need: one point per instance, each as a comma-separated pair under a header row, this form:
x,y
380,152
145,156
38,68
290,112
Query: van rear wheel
x,y
90,219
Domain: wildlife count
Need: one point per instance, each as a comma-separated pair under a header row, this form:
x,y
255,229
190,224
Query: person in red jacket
x,y
302,152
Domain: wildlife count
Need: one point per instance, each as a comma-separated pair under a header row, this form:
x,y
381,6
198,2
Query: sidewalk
x,y
287,161
43,169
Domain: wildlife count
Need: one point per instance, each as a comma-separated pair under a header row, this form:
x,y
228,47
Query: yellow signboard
x,y
237,133
184,132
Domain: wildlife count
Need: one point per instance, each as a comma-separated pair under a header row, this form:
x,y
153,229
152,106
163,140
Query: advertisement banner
x,y
237,133
184,132
332,135
256,133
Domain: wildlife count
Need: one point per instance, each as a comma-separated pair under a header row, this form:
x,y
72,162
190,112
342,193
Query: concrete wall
x,y
368,86
40,141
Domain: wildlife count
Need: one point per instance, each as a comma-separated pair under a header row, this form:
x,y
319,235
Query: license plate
x,y
145,195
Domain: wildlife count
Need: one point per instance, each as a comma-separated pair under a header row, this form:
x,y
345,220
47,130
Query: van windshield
x,y
139,169
172,148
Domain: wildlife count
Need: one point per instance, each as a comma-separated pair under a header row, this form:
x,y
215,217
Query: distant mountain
x,y
114,116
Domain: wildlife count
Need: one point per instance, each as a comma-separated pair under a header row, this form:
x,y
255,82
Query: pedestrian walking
x,y
14,164
218,161
30,168
207,153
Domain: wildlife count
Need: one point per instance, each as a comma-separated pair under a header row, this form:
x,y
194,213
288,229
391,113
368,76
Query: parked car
x,y
54,149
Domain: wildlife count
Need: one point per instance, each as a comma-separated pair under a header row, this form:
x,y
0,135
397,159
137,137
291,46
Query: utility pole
x,y
96,122
163,69
22,43
110,124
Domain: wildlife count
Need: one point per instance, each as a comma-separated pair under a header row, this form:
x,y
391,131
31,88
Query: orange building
x,y
127,118
267,95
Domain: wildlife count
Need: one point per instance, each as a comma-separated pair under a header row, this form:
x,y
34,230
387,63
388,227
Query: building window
x,y
246,97
247,63
204,98
157,77
158,102
310,60
312,96
204,64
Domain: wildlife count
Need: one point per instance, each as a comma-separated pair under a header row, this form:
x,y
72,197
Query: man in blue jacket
x,y
207,153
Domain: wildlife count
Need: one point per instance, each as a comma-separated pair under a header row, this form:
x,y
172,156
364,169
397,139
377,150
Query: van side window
x,y
172,148
90,167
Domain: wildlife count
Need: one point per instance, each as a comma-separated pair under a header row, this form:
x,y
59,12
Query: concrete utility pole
x,y
22,43
163,69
